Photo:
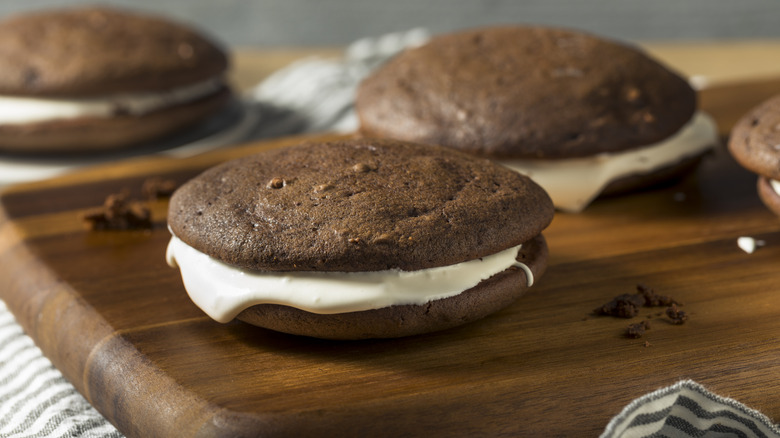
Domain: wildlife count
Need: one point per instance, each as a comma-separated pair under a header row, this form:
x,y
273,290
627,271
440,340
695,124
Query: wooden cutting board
x,y
115,319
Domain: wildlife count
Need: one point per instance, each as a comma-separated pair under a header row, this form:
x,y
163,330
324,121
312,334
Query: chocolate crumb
x,y
676,315
637,330
628,306
158,188
652,299
119,213
622,306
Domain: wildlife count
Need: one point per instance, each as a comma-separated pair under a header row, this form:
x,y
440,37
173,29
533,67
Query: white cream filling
x,y
20,110
749,244
223,291
574,183
775,185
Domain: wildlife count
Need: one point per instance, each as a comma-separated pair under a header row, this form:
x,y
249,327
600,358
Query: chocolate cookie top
x,y
755,139
357,205
525,92
98,50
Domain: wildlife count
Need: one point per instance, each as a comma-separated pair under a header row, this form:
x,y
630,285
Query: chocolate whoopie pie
x,y
98,78
358,239
580,114
755,144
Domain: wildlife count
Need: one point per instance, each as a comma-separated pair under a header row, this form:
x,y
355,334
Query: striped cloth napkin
x,y
309,96
687,409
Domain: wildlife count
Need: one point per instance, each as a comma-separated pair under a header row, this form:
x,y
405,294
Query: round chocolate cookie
x,y
755,144
100,78
530,93
365,206
755,139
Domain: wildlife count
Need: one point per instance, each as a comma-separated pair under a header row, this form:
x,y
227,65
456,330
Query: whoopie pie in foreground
x,y
755,144
580,114
99,78
355,239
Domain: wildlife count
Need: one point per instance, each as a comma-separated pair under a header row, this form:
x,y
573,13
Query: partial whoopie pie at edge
x,y
99,52
755,144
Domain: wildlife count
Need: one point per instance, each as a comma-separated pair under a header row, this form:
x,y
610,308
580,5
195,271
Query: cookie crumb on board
x,y
119,212
622,306
637,330
676,315
158,188
653,299
628,306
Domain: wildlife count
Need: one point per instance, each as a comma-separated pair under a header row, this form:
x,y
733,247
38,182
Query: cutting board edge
x,y
50,313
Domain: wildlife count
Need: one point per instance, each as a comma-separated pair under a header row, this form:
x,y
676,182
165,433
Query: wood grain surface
x,y
115,319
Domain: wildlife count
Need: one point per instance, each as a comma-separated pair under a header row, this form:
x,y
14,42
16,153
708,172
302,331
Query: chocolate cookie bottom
x,y
668,174
489,296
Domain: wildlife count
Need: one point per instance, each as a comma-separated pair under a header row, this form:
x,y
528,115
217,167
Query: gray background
x,y
285,23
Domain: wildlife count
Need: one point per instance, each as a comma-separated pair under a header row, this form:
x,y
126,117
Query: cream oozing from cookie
x,y
15,110
775,184
223,291
575,182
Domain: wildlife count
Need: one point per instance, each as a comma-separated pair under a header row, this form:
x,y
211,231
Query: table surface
x,y
719,61
115,319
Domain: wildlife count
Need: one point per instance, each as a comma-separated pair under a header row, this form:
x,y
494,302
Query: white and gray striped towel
x,y
309,96
687,409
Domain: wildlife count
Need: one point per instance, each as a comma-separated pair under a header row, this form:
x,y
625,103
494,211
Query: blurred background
x,y
287,23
